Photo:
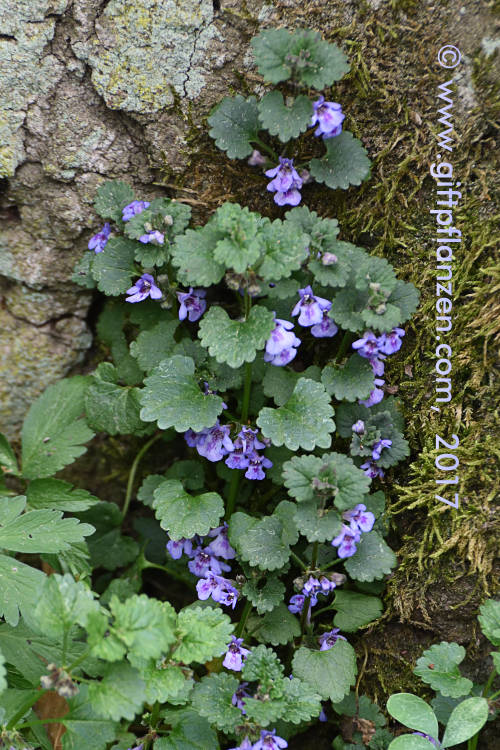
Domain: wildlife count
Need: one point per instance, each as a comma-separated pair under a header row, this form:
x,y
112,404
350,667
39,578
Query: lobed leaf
x,y
235,341
212,699
119,695
355,610
444,675
203,634
234,125
345,163
329,673
372,560
285,120
113,269
184,515
111,197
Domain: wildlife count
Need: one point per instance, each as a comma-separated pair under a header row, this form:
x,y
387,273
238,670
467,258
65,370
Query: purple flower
x,y
281,344
435,742
323,716
286,183
314,586
363,518
143,288
325,329
296,603
367,346
269,741
256,159
256,466
310,308
378,447
216,443
192,304
328,640
235,655
346,540
238,697
376,395
371,469
328,116
99,240
180,547
220,589
358,427
204,562
246,744
250,440
134,208
238,458
378,364
388,343
154,236
220,545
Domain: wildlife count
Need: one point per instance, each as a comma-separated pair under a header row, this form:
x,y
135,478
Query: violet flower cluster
x,y
360,520
371,467
214,444
375,349
286,183
98,242
328,117
311,590
268,741
134,208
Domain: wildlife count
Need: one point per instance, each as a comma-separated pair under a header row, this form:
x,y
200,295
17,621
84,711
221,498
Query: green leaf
x,y
413,712
345,163
284,249
110,327
38,530
193,253
53,432
372,560
146,491
111,198
59,495
8,461
240,245
278,626
112,550
63,603
316,524
234,125
263,666
112,408
329,673
166,684
410,742
164,215
301,703
204,633
355,610
270,49
279,382
212,699
83,728
173,398
303,422
265,592
154,344
444,675
259,541
189,732
351,381
489,619
310,477
19,589
183,515
406,297
347,307
374,274
285,121
113,269
190,473
235,341
467,719
443,707
119,695
82,271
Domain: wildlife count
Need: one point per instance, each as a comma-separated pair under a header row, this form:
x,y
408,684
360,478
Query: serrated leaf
x,y
63,602
166,684
184,515
235,341
315,524
277,627
279,382
345,163
263,666
351,381
265,592
38,530
489,619
113,269
301,703
444,676
193,254
329,673
303,422
284,250
111,198
270,49
259,541
189,732
154,344
19,589
308,477
212,699
8,461
355,610
347,307
285,121
465,721
83,728
59,495
53,432
173,398
113,408
413,712
119,695
203,634
239,246
372,560
234,125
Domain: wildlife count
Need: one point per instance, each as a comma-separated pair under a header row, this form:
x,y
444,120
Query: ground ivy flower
x,y
378,447
97,243
310,308
389,343
179,548
192,304
204,562
245,745
281,346
346,541
376,395
220,589
220,545
328,640
143,288
216,443
358,427
256,159
256,466
235,655
372,470
270,741
239,696
134,208
286,183
367,346
325,329
154,236
296,603
363,518
328,116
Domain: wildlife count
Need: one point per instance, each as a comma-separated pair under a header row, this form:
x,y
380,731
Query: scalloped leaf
x,y
372,560
329,673
172,397
307,477
285,121
351,381
184,515
193,254
234,125
335,274
212,699
113,408
119,695
284,250
235,341
303,422
279,382
111,198
444,675
261,542
240,245
154,344
113,269
355,610
489,619
203,634
278,626
347,308
345,163
265,592
315,524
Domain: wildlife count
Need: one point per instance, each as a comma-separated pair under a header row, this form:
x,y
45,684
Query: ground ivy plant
x,y
276,129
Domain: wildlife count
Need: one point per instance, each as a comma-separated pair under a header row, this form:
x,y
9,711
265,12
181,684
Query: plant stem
x,y
344,345
491,697
297,559
77,662
266,148
233,491
172,573
243,619
133,471
247,389
19,714
489,683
